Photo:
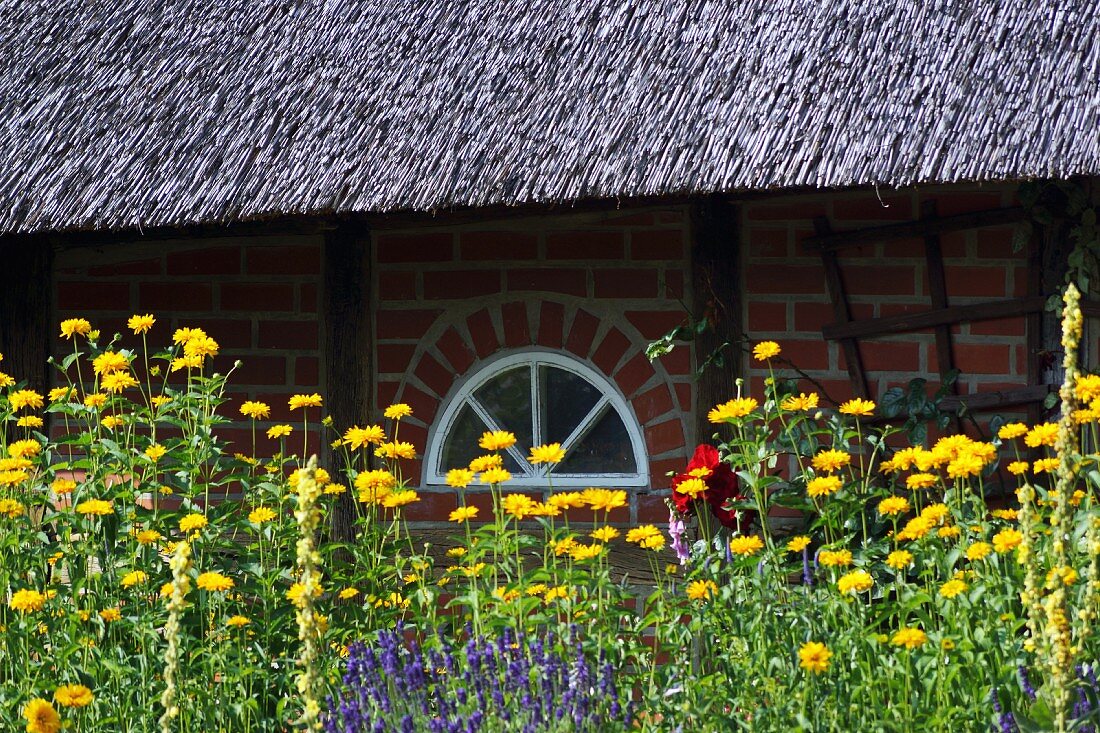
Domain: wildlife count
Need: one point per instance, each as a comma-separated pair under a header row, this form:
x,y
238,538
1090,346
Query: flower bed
x,y
913,604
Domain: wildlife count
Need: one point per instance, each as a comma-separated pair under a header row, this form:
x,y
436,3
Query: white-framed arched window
x,y
541,397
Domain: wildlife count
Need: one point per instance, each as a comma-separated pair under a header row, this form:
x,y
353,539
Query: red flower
x,y
721,486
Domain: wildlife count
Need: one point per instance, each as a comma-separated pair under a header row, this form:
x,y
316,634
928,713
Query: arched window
x,y
543,398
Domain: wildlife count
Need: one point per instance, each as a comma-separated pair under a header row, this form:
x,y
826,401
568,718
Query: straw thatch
x,y
127,113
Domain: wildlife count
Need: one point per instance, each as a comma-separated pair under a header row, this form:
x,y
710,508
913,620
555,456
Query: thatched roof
x,y
125,113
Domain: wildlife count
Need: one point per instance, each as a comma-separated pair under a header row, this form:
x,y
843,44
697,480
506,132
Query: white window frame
x,y
611,398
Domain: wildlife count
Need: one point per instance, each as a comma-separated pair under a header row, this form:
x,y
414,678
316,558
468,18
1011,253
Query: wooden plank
x,y
348,332
26,309
832,241
937,287
715,273
905,322
1034,323
997,400
834,283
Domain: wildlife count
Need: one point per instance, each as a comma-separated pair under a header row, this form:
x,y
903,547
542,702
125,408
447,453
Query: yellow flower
x,y
1017,467
1009,515
255,410
496,476
460,478
581,553
13,478
856,581
456,552
701,590
15,464
765,350
802,403
920,481
73,696
910,638
831,461
75,326
604,500
59,394
27,600
6,380
916,528
358,437
1007,540
40,714
110,615
95,507
746,545
11,508
948,532
798,543
1042,434
1012,430
1047,465
186,362
646,536
978,551
25,398
691,487
568,500
835,558
858,408
899,559
347,593
299,401
333,489
134,577
192,522
893,505
141,324
200,348
813,656
952,588
519,506
155,452
95,400
1088,387
183,335
295,592
398,449
30,421
497,440
604,534
116,382
732,410
279,431
113,421
109,362
550,453
400,499
237,621
148,536
213,582
463,513
484,463
261,514
398,411
823,486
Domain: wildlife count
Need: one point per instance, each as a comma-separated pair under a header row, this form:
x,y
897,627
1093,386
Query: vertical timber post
x,y
349,348
716,288
26,309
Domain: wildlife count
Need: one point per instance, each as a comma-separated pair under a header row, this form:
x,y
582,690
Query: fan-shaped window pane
x,y
542,398
604,449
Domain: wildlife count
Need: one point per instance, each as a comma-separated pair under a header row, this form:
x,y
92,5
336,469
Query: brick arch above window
x,y
440,347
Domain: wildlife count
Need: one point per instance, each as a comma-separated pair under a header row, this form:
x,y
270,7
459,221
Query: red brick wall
x,y
599,287
786,298
256,296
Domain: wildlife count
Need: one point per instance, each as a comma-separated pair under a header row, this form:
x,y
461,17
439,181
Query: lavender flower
x,y
677,529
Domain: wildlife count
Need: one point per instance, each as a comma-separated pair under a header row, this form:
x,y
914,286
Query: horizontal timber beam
x,y
912,229
930,319
997,400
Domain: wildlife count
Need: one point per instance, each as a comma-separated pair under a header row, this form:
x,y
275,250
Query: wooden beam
x,y
997,400
834,283
890,325
348,348
1034,323
937,287
26,309
832,241
716,284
